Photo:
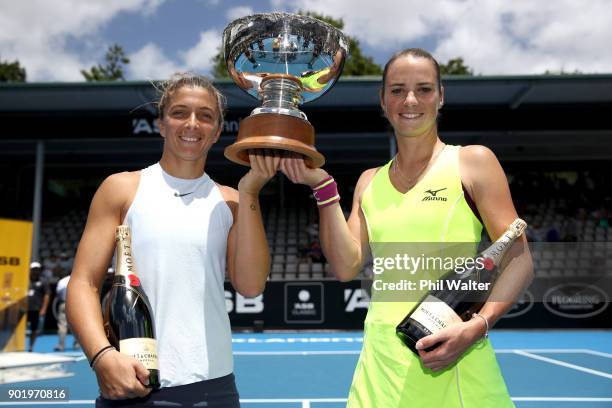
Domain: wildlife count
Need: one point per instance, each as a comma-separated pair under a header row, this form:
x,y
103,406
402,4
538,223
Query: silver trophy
x,y
284,60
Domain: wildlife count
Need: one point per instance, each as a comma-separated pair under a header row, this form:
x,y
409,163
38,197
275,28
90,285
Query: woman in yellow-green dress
x,y
393,204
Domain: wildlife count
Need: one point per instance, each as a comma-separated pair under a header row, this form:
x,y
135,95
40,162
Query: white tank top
x,y
179,242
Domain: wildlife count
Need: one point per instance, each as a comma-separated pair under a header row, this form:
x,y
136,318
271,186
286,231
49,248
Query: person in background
x,y
38,302
65,262
48,270
50,265
62,323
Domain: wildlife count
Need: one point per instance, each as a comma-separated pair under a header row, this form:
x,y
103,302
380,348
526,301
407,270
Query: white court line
x,y
562,399
306,402
560,351
511,351
563,364
598,353
293,353
332,352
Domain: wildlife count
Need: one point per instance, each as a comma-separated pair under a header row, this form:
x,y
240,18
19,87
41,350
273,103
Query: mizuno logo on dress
x,y
433,195
182,195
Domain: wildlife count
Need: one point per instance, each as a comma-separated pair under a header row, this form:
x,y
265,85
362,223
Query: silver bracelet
x,y
486,335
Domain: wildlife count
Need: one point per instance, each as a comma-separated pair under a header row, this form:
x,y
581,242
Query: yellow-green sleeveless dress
x,y
388,374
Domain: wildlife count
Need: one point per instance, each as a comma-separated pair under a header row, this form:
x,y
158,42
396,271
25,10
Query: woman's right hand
x,y
121,376
293,166
264,166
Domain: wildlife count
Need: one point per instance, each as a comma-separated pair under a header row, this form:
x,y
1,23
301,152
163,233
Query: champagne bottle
x,y
128,320
458,293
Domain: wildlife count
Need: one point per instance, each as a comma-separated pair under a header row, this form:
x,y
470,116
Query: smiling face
x,y
411,97
190,124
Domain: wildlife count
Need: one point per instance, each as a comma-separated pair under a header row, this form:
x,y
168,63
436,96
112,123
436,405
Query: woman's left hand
x,y
264,165
451,342
294,167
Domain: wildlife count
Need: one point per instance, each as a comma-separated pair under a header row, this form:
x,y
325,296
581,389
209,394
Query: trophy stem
x,y
281,94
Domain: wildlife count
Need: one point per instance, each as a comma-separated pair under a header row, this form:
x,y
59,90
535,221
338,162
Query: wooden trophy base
x,y
275,131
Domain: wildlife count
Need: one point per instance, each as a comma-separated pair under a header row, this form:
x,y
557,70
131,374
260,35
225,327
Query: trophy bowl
x,y
284,60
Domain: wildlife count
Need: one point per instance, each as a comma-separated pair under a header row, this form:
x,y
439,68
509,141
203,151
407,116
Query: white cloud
x,y
531,37
36,33
493,36
278,5
150,63
237,12
199,58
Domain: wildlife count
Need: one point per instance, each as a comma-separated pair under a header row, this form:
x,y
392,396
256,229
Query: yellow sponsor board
x,y
15,250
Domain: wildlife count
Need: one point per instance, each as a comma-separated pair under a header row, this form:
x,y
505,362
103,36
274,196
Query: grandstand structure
x,y
551,133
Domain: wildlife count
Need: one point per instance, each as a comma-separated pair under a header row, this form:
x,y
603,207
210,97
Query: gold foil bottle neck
x,y
518,226
123,233
124,264
498,249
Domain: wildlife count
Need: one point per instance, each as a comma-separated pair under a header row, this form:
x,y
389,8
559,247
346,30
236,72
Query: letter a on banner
x,y
15,250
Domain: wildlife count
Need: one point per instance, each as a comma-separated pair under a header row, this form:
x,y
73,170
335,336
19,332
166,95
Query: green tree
x,y
112,70
562,71
455,66
356,63
12,72
219,67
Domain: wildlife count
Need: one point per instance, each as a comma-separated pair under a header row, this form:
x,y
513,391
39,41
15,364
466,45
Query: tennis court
x,y
543,369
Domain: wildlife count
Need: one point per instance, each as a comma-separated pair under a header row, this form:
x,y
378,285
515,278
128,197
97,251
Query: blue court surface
x,y
543,369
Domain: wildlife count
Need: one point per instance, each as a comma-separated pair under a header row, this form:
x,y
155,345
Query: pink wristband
x,y
326,192
323,182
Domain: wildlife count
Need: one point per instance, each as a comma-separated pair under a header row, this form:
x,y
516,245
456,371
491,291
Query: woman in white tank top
x,y
187,232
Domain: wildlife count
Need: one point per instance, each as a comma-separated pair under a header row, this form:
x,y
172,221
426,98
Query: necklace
x,y
409,180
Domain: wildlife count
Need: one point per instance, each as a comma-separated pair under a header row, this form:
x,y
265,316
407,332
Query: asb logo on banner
x,y
356,299
243,305
304,303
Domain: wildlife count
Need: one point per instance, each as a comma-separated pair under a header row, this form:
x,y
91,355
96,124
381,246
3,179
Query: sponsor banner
x,y
523,305
576,300
15,250
147,126
562,303
300,305
337,305
304,302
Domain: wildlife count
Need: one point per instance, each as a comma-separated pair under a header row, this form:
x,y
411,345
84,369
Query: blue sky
x,y
54,39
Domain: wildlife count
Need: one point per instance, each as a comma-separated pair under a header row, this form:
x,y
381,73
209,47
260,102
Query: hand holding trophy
x,y
284,60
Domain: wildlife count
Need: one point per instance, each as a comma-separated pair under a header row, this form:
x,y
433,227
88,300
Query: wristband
x,y
486,324
99,354
326,192
323,183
